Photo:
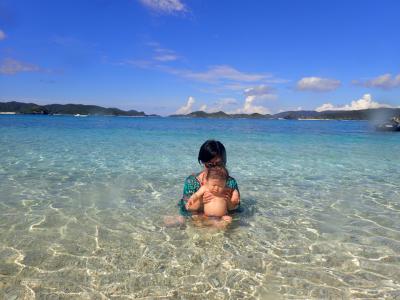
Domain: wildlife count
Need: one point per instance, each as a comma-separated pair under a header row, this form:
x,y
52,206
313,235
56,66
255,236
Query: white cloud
x,y
235,86
385,81
166,57
187,108
158,55
163,54
11,66
250,107
253,96
225,76
326,106
203,107
165,6
259,90
2,35
317,84
144,64
365,102
219,73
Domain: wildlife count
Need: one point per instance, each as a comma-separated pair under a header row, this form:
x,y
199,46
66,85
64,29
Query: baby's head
x,y
216,179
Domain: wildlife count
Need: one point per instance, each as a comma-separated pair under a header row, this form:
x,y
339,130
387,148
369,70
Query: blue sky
x,y
168,56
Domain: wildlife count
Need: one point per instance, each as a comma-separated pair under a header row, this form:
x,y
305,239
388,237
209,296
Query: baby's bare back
x,y
217,207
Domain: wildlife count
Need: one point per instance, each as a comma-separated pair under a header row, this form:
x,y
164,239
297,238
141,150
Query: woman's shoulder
x,y
192,180
231,183
190,186
192,177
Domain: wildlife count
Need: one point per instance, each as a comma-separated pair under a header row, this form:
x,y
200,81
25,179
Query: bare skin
x,y
232,198
216,206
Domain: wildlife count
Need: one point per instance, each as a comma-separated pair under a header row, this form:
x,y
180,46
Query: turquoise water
x,y
82,202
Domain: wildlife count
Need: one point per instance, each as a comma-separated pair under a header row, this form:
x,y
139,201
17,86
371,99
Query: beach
x,y
82,202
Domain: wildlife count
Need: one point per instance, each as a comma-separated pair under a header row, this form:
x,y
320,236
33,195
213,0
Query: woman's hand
x,y
189,204
193,204
207,197
234,200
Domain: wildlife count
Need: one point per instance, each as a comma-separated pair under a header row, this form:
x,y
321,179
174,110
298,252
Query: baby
x,y
214,188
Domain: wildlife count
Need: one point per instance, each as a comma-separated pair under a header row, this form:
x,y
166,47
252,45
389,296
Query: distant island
x,y
363,114
380,114
65,109
222,115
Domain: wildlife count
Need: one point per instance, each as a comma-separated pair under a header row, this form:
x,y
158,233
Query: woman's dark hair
x,y
211,149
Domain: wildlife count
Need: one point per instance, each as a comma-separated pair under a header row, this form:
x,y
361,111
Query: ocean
x,y
82,201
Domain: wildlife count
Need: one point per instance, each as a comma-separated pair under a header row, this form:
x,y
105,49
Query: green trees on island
x,y
64,109
377,114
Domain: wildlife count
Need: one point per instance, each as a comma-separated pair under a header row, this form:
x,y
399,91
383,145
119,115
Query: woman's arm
x,y
234,200
191,186
194,203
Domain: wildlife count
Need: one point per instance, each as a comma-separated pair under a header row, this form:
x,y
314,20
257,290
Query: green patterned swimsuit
x,y
192,185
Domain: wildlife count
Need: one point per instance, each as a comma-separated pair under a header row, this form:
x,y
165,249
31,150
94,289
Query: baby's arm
x,y
234,200
194,203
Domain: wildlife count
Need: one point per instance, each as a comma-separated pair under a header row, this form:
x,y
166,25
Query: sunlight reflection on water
x,y
82,202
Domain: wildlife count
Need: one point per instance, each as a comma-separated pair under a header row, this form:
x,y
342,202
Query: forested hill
x,y
64,109
81,109
364,114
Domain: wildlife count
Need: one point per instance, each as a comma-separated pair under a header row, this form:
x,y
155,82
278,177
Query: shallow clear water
x,y
82,202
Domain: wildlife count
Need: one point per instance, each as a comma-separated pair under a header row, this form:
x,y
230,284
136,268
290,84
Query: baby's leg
x,y
172,221
212,221
198,219
222,222
227,219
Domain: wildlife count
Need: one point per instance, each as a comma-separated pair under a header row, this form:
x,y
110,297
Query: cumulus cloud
x,y
365,102
187,108
250,107
2,35
254,96
317,84
11,66
203,107
165,6
385,81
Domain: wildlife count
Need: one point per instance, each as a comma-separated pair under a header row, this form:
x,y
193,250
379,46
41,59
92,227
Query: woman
x,y
212,153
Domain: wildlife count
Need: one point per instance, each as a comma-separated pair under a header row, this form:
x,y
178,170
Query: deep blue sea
x,y
82,201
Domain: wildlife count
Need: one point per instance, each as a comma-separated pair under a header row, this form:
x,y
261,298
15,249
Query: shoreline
x,y
175,117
